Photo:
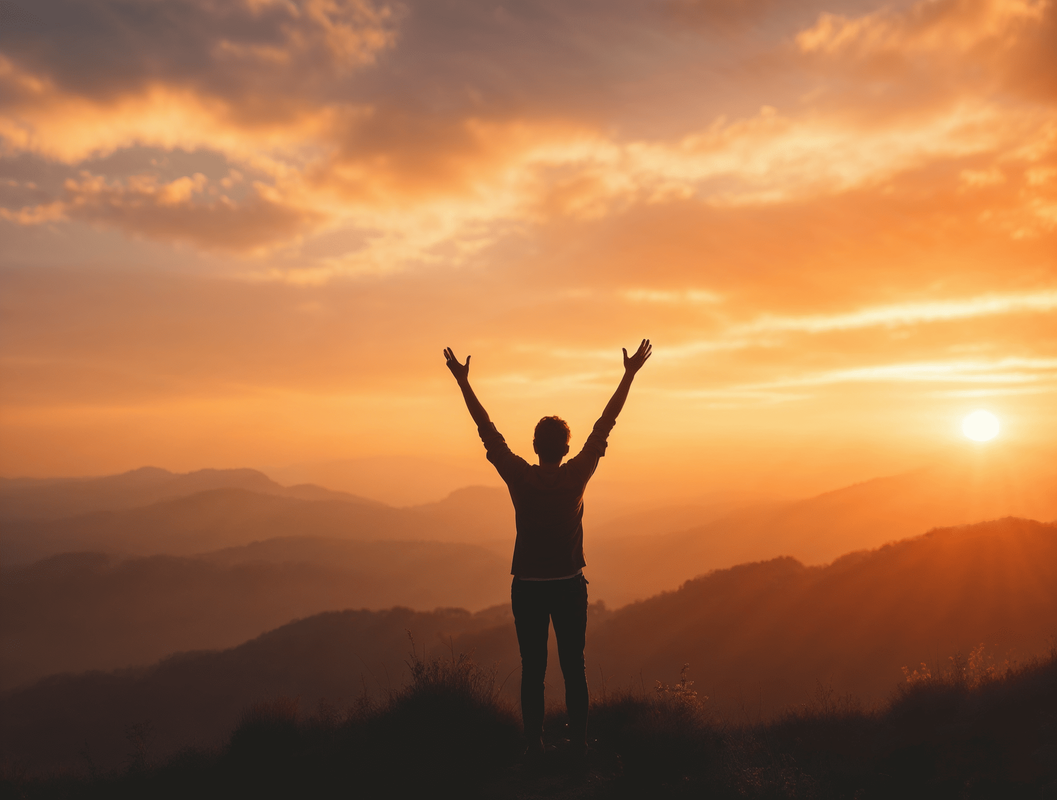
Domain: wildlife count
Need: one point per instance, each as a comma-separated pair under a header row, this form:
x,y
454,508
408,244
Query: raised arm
x,y
462,377
632,364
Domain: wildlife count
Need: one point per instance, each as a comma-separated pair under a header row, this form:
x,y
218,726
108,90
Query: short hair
x,y
551,439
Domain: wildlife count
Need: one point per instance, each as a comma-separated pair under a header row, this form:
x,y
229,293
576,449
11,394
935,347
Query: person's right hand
x,y
460,371
633,363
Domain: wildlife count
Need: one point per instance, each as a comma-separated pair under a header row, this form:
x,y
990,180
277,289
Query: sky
x,y
240,232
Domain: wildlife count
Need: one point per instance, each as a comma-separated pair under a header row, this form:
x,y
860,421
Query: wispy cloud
x,y
906,314
767,330
1007,370
668,297
1010,376
943,25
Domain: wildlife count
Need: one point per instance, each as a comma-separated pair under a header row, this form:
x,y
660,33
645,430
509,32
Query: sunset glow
x,y
239,234
980,426
349,349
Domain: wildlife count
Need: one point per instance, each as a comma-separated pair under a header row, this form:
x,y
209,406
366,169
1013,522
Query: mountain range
x,y
758,638
150,563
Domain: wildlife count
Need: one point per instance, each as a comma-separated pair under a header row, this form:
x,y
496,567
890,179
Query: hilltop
x,y
967,731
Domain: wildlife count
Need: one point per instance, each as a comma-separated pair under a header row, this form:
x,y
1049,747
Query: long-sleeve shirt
x,y
548,504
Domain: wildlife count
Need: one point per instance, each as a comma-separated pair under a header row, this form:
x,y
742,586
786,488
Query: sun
x,y
980,426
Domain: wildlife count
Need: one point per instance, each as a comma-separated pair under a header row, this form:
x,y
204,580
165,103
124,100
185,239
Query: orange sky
x,y
241,233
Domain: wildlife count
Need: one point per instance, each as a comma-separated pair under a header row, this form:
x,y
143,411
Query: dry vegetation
x,y
971,730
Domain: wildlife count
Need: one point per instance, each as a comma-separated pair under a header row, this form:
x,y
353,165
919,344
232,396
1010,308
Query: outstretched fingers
x,y
457,369
635,362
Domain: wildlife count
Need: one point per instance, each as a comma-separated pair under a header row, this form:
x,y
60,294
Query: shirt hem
x,y
576,574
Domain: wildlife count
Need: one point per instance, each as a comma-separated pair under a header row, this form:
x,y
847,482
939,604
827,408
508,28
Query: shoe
x,y
575,753
533,752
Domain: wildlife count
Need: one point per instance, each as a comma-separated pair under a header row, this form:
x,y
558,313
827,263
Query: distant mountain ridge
x,y
631,557
229,516
775,630
399,481
819,529
186,525
54,498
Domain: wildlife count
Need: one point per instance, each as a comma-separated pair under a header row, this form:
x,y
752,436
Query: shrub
x,y
662,736
449,721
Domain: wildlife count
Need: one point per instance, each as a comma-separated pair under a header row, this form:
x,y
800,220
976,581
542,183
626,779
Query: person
x,y
549,584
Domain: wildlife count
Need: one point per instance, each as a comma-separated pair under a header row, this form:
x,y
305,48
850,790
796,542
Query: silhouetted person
x,y
549,583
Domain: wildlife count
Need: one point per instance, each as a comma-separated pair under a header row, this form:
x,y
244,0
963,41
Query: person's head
x,y
551,440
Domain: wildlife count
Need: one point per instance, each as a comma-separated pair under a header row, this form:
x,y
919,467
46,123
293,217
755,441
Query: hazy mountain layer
x,y
817,530
232,517
77,614
629,558
769,633
757,637
197,697
85,611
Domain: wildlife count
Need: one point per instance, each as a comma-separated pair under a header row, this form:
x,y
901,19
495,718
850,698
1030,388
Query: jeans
x,y
536,604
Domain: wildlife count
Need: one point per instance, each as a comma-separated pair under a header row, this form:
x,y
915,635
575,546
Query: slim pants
x,y
536,604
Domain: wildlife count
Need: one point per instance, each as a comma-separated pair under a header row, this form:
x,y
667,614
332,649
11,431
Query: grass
x,y
971,730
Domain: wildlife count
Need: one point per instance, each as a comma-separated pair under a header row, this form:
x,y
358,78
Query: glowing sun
x,y
980,426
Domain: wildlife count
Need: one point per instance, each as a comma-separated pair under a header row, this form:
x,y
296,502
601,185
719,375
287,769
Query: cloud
x,y
434,135
501,176
1006,44
936,26
35,215
691,296
268,85
413,184
767,330
189,209
259,74
71,128
1001,371
251,49
258,80
1000,377
907,314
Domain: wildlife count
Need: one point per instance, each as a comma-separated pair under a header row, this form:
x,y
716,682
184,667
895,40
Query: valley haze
x,y
115,573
